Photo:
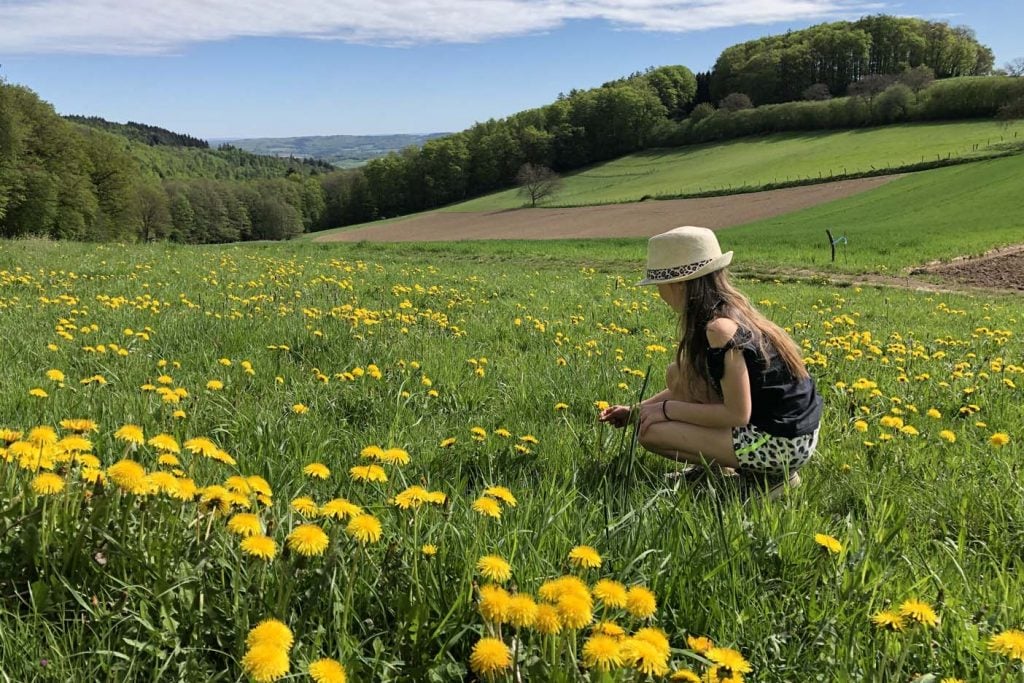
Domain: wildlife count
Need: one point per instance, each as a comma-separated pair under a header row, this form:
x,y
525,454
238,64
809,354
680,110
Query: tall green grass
x,y
117,587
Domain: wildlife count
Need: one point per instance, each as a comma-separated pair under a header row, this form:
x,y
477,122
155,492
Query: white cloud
x,y
161,26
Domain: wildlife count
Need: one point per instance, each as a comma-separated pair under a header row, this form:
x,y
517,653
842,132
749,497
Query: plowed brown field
x,y
641,219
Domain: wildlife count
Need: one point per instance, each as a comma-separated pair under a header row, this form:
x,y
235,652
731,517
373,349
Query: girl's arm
x,y
736,408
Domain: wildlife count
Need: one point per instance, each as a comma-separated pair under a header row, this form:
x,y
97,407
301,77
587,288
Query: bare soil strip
x,y
641,219
1001,269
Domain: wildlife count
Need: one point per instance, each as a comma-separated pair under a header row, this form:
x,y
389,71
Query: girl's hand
x,y
616,416
651,413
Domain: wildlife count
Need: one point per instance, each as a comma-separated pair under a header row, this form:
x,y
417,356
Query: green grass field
x,y
931,215
754,162
287,355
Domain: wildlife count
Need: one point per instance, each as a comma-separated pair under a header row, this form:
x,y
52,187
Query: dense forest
x,y
90,179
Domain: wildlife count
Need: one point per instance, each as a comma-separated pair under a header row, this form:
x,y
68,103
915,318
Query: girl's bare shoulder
x,y
720,331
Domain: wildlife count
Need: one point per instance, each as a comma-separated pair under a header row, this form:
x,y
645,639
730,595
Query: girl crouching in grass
x,y
738,394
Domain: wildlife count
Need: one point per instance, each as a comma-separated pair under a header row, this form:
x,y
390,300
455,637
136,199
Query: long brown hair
x,y
713,296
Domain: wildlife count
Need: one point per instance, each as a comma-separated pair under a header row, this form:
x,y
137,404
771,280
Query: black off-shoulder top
x,y
780,404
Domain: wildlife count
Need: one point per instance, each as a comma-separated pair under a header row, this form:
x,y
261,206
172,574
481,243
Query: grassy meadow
x,y
756,161
186,451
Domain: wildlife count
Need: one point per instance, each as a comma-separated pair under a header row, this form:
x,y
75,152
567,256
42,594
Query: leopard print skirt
x,y
760,452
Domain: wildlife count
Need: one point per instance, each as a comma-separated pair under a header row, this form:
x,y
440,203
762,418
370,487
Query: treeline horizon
x,y
67,180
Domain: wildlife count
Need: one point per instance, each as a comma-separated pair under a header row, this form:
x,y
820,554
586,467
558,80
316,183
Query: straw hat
x,y
683,254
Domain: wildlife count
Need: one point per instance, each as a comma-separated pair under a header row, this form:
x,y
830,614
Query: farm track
x,y
639,219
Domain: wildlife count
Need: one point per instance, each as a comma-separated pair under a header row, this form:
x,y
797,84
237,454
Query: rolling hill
x,y
343,151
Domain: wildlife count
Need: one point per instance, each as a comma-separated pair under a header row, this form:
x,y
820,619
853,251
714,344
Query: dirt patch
x,y
641,219
998,269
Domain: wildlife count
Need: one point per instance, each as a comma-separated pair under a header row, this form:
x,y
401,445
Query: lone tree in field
x,y
537,182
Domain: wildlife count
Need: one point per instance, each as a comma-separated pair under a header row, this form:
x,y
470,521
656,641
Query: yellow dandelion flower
x,y
487,507
10,435
265,663
547,622
130,434
522,610
829,543
364,528
178,414
42,436
327,671
574,611
585,556
730,659
561,406
413,497
609,628
164,482
888,619
74,444
259,485
530,439
340,509
860,425
368,473
47,484
495,602
610,593
450,441
272,633
494,568
948,435
300,409
501,493
489,656
128,475
478,433
93,475
55,375
919,611
165,442
656,637
554,589
238,484
373,452
306,507
949,679
395,456
934,414
200,445
87,460
684,675
644,657
640,602
308,540
36,392
259,546
79,425
1009,644
699,644
245,524
601,652
503,433
428,549
316,470
215,385
999,439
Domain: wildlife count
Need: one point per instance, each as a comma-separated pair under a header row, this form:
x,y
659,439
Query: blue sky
x,y
304,67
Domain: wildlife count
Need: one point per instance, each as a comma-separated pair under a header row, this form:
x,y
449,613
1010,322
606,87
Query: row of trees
x,y
780,68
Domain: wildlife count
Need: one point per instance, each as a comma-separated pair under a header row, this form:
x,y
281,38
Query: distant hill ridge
x,y
141,132
345,151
